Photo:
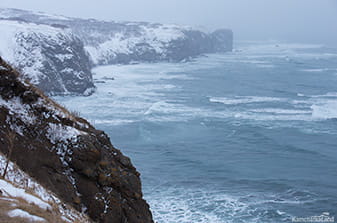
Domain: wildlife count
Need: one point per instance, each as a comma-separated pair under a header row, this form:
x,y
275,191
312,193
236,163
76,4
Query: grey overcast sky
x,y
308,21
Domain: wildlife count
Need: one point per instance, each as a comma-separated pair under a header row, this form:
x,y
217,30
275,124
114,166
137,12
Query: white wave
x,y
164,111
160,106
183,205
165,107
322,106
168,76
244,100
247,60
309,108
281,111
265,65
318,70
327,95
273,117
325,110
193,206
113,121
302,103
331,94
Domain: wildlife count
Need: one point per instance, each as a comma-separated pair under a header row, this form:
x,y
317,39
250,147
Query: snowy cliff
x,y
56,50
51,58
66,155
111,42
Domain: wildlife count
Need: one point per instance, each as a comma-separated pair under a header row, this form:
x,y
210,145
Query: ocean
x,y
245,136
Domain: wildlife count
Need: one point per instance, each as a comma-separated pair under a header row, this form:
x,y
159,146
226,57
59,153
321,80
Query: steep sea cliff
x,y
66,154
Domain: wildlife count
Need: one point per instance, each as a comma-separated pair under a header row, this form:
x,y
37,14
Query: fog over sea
x,y
245,136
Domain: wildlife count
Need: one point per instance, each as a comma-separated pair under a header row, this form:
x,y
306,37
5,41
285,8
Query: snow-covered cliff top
x,y
11,40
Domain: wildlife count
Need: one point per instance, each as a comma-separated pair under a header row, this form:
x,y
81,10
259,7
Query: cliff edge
x,y
67,155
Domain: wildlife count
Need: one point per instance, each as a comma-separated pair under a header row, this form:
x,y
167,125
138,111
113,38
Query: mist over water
x,y
247,136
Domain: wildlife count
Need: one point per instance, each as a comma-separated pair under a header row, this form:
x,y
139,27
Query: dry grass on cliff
x,y
53,210
10,204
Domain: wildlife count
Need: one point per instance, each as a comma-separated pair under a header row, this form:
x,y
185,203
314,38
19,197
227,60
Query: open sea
x,y
246,136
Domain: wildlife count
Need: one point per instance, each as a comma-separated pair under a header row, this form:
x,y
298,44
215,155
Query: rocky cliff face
x,y
111,43
52,58
194,43
65,154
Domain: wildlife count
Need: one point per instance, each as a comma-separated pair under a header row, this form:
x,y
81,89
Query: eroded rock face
x,y
67,155
50,57
222,40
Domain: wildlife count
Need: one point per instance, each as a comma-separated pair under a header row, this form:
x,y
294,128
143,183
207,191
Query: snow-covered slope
x,y
51,58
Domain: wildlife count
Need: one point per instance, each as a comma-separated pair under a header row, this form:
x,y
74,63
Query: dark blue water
x,y
248,136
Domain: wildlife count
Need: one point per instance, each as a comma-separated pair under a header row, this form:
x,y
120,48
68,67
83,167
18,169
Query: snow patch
x,y
63,57
60,133
3,68
18,109
23,214
11,191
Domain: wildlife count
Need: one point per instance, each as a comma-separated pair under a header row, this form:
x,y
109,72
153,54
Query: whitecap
x,y
281,111
265,65
315,70
325,109
244,100
113,121
186,205
165,111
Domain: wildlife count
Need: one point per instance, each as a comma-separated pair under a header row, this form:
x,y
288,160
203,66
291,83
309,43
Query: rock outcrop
x,y
67,155
52,58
